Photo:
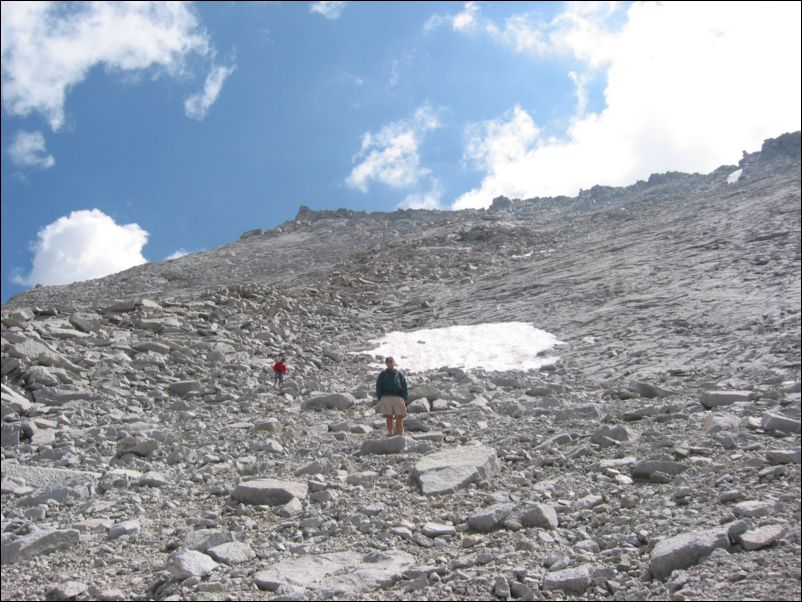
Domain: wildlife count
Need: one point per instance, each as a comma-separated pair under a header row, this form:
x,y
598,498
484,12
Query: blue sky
x,y
139,132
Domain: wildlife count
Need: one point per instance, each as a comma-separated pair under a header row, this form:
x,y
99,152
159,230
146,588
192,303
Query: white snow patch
x,y
523,256
500,347
734,176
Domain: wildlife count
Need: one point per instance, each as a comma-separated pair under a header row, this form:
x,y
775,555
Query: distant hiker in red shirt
x,y
279,368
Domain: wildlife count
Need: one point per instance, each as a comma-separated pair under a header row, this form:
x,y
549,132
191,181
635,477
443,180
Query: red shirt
x,y
279,367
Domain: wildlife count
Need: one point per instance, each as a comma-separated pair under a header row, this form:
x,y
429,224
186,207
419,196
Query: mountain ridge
x,y
298,233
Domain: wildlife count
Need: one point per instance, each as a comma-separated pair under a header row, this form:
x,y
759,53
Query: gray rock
x,y
419,406
778,422
424,391
762,537
574,580
184,564
490,518
713,399
271,425
269,492
645,468
716,423
41,477
580,412
437,530
14,401
313,467
536,514
40,541
650,390
234,552
155,347
138,445
617,433
10,435
501,588
335,401
641,413
184,387
386,445
39,353
451,469
61,394
754,508
85,322
250,233
153,479
120,307
127,527
69,590
342,573
47,377
201,540
783,456
685,550
290,509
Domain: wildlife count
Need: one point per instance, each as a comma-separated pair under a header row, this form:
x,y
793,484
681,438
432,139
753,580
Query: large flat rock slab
x,y
340,573
686,549
41,477
451,469
712,399
269,492
38,542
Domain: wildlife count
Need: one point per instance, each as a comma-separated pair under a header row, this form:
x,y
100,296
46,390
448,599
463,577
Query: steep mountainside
x,y
146,454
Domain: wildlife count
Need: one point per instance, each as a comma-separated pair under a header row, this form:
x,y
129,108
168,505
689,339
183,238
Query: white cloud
x,y
390,156
579,30
329,9
49,47
423,200
197,106
177,254
689,86
466,20
84,245
28,150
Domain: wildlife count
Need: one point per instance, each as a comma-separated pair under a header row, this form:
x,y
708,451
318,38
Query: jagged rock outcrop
x,y
146,453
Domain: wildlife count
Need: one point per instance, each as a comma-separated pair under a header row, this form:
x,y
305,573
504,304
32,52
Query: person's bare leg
x,y
389,420
399,425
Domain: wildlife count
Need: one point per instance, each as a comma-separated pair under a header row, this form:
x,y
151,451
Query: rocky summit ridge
x,y
147,455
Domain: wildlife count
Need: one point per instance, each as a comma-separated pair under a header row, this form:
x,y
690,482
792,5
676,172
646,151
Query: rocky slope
x,y
146,454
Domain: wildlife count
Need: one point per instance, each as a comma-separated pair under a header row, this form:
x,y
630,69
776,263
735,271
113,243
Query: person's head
x,y
389,362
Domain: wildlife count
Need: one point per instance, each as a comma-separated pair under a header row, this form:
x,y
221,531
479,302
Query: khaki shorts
x,y
392,405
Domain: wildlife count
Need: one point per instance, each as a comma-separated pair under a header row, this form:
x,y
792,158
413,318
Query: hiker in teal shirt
x,y
391,389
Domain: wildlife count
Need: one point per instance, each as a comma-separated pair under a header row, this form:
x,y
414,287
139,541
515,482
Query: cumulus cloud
x,y
49,47
688,87
424,200
582,29
84,245
466,20
329,9
390,156
28,150
197,106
